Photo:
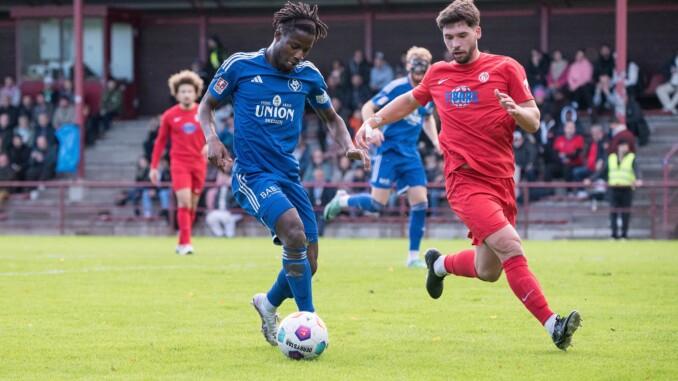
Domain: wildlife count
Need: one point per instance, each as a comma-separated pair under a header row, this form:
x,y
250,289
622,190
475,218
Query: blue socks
x,y
417,224
298,273
280,291
365,202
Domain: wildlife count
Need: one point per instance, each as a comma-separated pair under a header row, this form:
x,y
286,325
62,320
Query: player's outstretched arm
x,y
431,130
217,154
337,127
392,112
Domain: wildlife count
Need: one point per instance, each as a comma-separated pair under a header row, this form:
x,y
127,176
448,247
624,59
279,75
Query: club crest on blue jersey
x,y
189,128
461,97
294,84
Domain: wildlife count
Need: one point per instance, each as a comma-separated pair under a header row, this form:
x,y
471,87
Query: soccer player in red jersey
x,y
188,162
480,98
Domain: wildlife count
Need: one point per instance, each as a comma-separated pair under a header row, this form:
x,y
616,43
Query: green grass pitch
x,y
118,308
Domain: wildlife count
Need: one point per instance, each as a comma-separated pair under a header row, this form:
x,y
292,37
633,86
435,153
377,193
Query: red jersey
x,y
571,148
183,129
475,129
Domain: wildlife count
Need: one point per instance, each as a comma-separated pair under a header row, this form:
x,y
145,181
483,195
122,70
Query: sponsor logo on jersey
x,y
484,76
189,128
294,84
413,118
220,86
269,191
461,96
275,111
527,85
321,99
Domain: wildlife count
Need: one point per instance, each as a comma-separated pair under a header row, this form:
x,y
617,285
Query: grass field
x,y
129,309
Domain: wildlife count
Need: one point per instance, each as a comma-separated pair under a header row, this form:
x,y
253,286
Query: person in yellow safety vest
x,y
623,175
216,54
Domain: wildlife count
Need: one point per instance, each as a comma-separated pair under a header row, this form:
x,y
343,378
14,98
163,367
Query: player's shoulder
x,y
500,59
240,59
308,69
396,84
172,110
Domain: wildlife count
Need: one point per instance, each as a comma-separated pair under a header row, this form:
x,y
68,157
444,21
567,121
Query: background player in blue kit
x,y
270,88
397,158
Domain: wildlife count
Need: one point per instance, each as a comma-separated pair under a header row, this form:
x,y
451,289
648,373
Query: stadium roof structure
x,y
238,6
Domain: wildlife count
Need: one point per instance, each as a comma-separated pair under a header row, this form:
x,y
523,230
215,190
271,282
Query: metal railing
x,y
94,201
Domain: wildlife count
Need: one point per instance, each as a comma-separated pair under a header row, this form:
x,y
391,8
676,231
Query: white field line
x,y
123,269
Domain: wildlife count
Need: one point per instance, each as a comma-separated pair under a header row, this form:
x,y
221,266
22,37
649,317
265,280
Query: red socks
x,y
462,264
185,222
526,287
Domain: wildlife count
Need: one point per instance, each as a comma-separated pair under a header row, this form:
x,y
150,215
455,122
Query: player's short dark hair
x,y
184,77
459,10
300,16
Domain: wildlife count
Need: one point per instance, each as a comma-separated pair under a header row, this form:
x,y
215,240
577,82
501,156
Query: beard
x,y
466,57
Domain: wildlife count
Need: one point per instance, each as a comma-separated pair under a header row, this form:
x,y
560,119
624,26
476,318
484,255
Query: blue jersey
x,y
269,108
403,135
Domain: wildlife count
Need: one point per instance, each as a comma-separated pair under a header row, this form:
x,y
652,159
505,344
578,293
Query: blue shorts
x,y
392,166
267,196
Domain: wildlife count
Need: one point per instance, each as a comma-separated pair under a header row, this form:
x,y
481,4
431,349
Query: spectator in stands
x,y
355,121
6,132
6,174
635,121
580,81
161,192
26,107
525,154
317,161
344,172
303,155
44,127
149,142
569,148
50,93
11,90
338,77
620,132
434,176
7,108
631,79
110,105
42,162
537,69
25,130
67,90
604,64
19,157
401,68
219,202
381,72
134,194
667,92
594,157
622,174
358,65
319,195
64,113
41,107
216,54
604,96
358,93
556,78
199,68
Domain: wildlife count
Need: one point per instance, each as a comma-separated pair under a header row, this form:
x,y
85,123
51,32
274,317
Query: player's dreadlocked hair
x,y
289,16
184,77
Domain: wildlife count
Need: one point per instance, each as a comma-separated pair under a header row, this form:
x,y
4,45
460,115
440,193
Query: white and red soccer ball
x,y
302,336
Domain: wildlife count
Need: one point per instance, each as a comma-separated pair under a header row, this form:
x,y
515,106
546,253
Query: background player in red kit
x,y
188,162
480,98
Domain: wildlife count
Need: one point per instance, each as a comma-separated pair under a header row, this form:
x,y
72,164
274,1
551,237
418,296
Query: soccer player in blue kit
x,y
270,88
397,158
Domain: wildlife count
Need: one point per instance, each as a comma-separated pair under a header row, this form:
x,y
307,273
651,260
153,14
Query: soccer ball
x,y
302,336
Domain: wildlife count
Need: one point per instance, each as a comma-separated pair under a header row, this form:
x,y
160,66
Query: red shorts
x,y
484,204
187,177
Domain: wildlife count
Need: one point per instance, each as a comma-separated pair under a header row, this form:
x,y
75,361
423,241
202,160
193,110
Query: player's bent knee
x,y
294,237
489,275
